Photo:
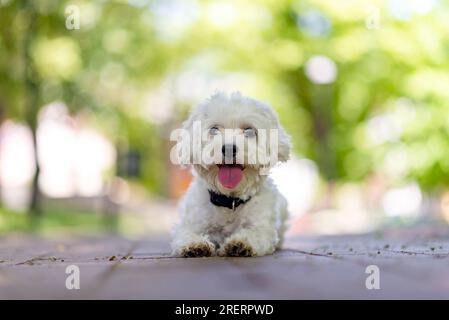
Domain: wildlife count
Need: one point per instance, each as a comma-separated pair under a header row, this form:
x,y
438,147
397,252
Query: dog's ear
x,y
186,142
284,146
182,153
283,139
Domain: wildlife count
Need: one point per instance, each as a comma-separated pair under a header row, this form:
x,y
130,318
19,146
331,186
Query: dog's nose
x,y
228,150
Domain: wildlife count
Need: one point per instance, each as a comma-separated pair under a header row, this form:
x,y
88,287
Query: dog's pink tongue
x,y
230,176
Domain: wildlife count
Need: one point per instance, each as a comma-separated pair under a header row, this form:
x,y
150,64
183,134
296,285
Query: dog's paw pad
x,y
238,249
197,250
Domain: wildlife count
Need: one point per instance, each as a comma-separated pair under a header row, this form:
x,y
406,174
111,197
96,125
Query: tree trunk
x,y
2,112
32,101
35,205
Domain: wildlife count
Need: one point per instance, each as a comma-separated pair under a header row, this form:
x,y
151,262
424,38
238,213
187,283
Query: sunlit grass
x,y
55,221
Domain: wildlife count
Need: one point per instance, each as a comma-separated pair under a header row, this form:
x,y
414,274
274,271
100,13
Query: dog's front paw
x,y
198,249
238,248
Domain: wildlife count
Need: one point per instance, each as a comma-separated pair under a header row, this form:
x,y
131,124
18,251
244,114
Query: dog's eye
x,y
249,132
214,131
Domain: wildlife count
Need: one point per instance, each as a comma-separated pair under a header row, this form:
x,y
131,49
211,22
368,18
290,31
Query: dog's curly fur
x,y
255,228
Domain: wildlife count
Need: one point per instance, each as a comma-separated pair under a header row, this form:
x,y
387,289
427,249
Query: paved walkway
x,y
412,264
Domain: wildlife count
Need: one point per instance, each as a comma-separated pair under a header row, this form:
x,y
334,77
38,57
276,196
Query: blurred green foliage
x,y
386,112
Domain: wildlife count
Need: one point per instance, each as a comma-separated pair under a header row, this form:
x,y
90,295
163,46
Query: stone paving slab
x,y
412,265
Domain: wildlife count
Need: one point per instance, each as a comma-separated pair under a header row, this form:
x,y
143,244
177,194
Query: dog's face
x,y
240,140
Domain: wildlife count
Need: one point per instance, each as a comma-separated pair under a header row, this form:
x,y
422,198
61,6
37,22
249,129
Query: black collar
x,y
221,200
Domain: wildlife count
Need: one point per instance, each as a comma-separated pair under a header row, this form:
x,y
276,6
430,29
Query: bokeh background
x,y
87,107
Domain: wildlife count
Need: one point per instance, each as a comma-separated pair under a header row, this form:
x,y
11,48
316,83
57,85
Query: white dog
x,y
233,208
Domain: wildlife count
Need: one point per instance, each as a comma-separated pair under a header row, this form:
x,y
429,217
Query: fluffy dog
x,y
232,208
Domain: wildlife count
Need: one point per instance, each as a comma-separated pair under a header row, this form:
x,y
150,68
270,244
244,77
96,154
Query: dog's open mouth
x,y
230,175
